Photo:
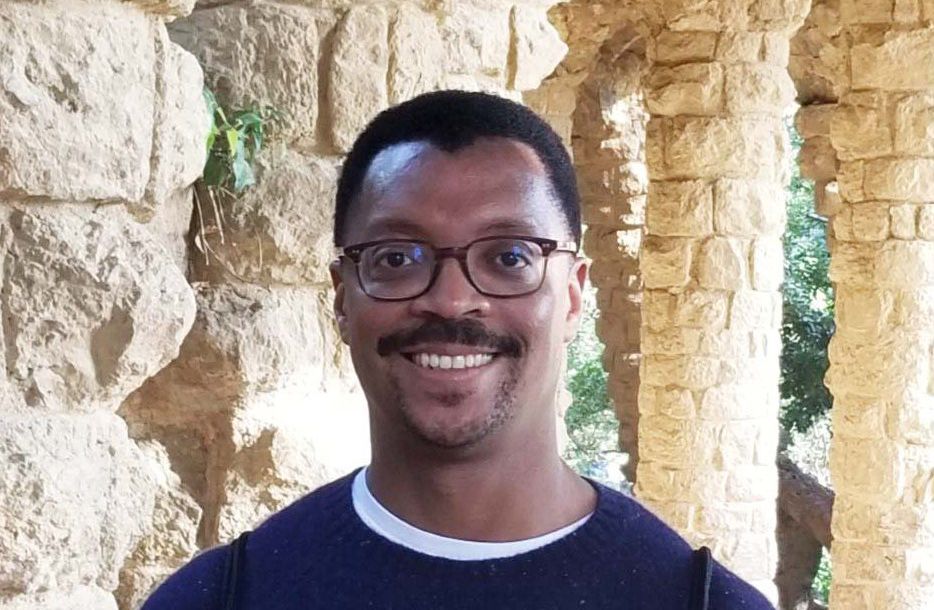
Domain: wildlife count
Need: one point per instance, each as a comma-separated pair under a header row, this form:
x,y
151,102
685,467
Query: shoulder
x,y
669,557
281,538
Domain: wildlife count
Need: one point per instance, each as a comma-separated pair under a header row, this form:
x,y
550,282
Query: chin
x,y
453,423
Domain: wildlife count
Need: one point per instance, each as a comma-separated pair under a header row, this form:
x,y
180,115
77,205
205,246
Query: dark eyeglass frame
x,y
354,253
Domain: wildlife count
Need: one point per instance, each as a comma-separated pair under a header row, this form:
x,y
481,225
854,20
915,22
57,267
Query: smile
x,y
440,361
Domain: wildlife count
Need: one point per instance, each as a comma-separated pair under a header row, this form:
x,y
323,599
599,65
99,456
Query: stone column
x,y
712,271
609,154
102,129
882,264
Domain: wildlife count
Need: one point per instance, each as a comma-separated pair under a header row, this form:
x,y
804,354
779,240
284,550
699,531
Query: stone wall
x,y
101,133
164,391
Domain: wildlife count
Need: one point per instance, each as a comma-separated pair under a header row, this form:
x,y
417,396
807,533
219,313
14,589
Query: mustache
x,y
463,332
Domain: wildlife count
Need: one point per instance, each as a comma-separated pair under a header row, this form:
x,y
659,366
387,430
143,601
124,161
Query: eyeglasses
x,y
506,266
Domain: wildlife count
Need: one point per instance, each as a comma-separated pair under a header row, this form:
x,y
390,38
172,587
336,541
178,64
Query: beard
x,y
468,433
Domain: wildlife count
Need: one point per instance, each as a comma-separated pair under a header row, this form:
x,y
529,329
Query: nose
x,y
451,295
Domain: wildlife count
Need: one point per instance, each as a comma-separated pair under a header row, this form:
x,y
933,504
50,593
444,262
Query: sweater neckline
x,y
580,544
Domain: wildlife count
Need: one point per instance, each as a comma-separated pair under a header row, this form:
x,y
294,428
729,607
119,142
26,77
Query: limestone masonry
x,y
157,400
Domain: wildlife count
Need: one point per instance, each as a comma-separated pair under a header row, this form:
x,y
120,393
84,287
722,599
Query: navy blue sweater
x,y
318,554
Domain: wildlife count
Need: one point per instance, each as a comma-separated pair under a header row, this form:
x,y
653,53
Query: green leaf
x,y
243,173
233,142
215,171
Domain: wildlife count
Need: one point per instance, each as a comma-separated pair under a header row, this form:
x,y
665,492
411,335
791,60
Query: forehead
x,y
493,186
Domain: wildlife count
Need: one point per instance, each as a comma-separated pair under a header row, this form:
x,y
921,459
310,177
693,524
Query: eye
x,y
394,259
514,258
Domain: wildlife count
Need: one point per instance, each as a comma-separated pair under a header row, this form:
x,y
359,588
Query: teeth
x,y
436,361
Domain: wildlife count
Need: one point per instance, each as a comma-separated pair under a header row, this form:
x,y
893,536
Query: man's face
x,y
414,191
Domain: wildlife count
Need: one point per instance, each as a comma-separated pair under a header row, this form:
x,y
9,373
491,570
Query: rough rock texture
x,y
712,269
90,308
79,100
279,231
81,489
882,452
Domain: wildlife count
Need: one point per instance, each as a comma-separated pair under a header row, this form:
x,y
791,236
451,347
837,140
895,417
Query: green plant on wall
x,y
235,139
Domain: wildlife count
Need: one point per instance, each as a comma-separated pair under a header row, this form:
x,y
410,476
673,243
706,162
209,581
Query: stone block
x,y
705,147
705,309
477,41
864,312
415,52
758,87
768,259
279,231
914,125
900,179
904,60
666,440
690,372
62,599
866,12
749,208
94,305
77,494
722,264
691,89
248,339
739,47
850,178
538,49
665,262
170,538
735,401
775,50
680,209
673,402
181,125
260,55
926,222
284,452
725,343
859,417
869,222
861,561
860,133
656,308
691,15
357,79
882,368
684,47
674,340
814,120
751,309
785,16
817,159
907,11
76,101
748,483
902,221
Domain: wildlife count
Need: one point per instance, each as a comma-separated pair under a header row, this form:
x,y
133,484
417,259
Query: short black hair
x,y
452,120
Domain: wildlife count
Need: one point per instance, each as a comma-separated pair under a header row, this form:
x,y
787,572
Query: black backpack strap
x,y
701,572
236,555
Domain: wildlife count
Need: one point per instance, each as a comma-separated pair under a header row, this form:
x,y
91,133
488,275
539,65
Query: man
x,y
457,289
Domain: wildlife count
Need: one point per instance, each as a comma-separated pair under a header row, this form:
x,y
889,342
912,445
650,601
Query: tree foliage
x,y
807,320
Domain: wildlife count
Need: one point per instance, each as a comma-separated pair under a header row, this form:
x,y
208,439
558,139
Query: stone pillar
x,y
882,265
102,129
712,271
609,154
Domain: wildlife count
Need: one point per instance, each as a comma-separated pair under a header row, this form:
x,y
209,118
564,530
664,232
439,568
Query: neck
x,y
512,492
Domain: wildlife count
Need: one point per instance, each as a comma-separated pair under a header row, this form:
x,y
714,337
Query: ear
x,y
577,280
337,280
